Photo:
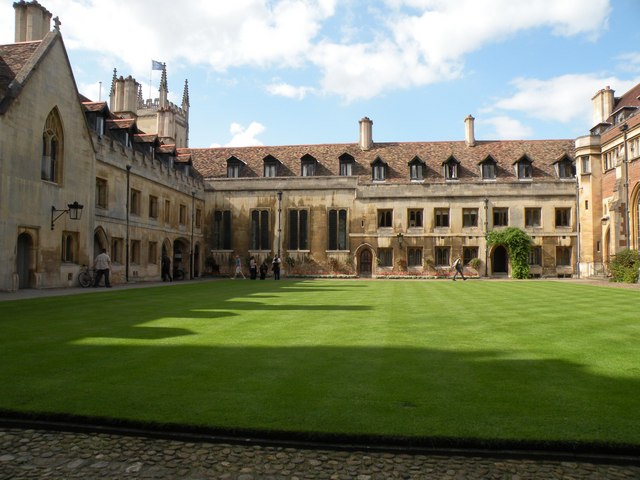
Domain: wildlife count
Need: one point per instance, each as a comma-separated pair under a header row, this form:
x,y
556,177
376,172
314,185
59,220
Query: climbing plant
x,y
624,266
518,244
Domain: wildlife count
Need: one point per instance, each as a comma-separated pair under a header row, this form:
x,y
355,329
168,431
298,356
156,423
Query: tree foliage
x,y
624,266
518,244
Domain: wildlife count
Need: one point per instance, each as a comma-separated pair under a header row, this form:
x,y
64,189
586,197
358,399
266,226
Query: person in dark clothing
x,y
264,268
457,265
166,268
275,266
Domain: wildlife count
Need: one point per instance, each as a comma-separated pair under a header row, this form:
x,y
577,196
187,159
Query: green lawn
x,y
525,360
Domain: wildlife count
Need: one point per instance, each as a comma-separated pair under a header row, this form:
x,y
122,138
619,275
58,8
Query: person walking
x,y
275,266
457,265
239,268
102,265
166,268
253,268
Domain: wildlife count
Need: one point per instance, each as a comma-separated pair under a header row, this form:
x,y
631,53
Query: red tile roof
x,y
13,58
212,162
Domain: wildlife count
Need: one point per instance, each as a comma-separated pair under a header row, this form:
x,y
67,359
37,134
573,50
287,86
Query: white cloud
x,y
563,99
507,128
411,42
289,91
629,62
243,136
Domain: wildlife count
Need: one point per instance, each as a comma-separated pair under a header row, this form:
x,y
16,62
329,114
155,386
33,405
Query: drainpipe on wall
x,y
126,248
486,233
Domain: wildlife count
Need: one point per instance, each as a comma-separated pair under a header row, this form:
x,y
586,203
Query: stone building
x,y
362,208
58,151
609,180
379,209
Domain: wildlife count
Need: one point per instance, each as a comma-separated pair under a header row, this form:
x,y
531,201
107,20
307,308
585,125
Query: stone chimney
x,y
33,21
366,134
602,103
469,136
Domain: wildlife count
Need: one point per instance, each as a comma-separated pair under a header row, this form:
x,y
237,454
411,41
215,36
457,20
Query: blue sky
x,y
283,72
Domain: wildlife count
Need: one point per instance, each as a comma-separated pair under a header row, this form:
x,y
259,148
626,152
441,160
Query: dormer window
x,y
524,168
271,166
416,169
565,168
379,170
488,168
234,167
308,164
346,165
451,167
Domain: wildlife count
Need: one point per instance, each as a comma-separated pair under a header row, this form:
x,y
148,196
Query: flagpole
x,y
150,75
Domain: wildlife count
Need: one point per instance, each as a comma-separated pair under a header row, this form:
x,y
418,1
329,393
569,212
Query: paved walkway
x,y
38,454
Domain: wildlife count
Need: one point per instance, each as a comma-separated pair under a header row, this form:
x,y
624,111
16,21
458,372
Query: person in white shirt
x,y
102,264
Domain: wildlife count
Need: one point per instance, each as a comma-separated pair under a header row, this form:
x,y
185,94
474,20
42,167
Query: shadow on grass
x,y
68,365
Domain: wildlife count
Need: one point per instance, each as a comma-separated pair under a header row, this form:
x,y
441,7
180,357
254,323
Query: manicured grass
x,y
547,361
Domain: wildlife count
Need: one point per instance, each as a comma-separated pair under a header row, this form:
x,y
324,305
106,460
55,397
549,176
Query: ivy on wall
x,y
518,244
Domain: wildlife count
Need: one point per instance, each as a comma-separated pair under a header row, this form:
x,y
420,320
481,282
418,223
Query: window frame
x,y
563,217
414,257
470,217
442,256
533,217
441,217
385,257
337,231
221,233
500,213
260,229
298,229
385,217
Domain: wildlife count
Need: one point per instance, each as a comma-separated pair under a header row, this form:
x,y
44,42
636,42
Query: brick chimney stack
x,y
33,21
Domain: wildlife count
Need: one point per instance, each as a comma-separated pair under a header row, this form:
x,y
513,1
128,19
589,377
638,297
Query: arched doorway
x,y
180,259
100,241
500,261
24,260
365,265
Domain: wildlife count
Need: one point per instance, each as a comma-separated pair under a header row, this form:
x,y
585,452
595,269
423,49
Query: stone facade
x,y
609,180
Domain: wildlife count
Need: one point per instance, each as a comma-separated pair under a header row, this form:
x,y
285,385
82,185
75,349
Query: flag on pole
x,y
156,65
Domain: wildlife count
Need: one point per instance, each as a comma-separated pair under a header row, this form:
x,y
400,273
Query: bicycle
x,y
86,276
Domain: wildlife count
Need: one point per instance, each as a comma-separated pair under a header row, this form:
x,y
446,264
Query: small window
x,y
563,256
415,217
441,217
385,218
500,217
338,229
102,193
414,257
167,211
416,169
233,170
308,166
153,207
532,217
69,247
535,256
298,229
524,169
565,169
585,163
469,217
136,197
563,217
182,218
152,257
260,230
198,218
270,166
379,170
442,256
221,232
468,254
385,257
135,251
346,165
451,169
488,168
117,245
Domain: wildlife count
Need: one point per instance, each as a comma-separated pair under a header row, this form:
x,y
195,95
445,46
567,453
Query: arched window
x,y
52,148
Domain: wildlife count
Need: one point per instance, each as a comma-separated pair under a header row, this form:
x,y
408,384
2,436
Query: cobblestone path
x,y
38,454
